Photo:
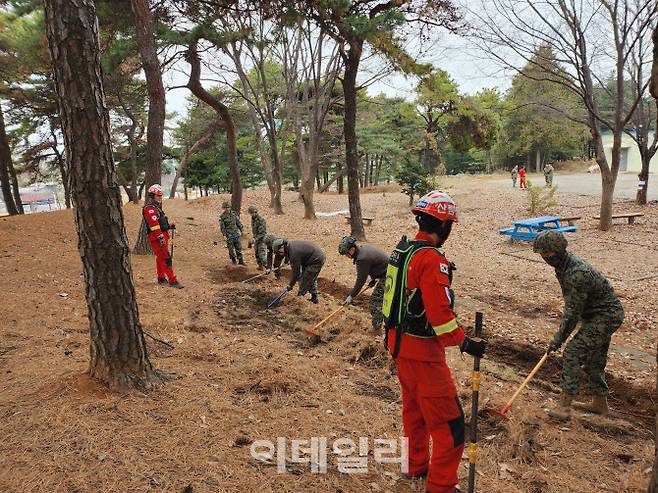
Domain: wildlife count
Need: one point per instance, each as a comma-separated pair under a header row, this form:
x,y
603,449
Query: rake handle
x,y
506,407
326,319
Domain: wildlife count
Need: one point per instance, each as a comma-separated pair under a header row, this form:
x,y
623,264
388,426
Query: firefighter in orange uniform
x,y
158,236
420,324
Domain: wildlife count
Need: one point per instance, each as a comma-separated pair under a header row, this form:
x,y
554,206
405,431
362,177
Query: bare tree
x,y
646,114
118,351
262,94
589,38
311,64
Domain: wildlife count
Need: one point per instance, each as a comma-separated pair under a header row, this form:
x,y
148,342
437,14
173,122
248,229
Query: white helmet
x,y
155,189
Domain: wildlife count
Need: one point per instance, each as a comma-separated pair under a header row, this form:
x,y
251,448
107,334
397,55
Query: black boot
x,y
314,298
162,281
233,260
176,285
241,261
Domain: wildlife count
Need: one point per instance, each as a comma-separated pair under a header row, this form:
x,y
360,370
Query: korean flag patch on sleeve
x,y
445,269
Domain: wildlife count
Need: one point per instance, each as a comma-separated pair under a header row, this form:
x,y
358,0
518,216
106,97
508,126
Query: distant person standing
x,y
515,174
158,235
522,182
548,174
231,227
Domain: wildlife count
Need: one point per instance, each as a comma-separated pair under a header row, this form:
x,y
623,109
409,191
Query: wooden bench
x,y
366,220
570,219
630,216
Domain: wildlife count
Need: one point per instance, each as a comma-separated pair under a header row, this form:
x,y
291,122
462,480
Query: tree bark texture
x,y
194,85
118,354
5,164
353,58
155,89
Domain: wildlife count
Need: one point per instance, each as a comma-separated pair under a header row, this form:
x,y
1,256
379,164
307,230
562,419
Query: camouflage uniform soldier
x,y
369,261
548,174
229,223
306,261
590,299
258,230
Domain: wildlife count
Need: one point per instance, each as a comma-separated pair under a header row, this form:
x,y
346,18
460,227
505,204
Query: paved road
x,y
590,184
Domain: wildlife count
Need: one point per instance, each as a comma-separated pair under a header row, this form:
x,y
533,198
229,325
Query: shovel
x,y
275,300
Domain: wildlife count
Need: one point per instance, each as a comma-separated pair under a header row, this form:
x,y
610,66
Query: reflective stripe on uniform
x,y
445,328
155,228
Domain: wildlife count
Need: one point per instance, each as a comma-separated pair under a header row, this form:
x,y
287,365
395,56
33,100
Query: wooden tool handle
x,y
525,382
327,318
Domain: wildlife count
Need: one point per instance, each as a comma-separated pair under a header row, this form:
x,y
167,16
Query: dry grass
x,y
245,373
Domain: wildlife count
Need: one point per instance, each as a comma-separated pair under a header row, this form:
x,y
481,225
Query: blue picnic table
x,y
528,229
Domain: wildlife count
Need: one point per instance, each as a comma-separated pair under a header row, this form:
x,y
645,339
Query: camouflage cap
x,y
278,243
252,209
226,205
550,241
345,244
269,239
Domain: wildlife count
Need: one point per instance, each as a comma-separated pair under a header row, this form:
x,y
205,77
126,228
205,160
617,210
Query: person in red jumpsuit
x,y
158,236
430,405
522,182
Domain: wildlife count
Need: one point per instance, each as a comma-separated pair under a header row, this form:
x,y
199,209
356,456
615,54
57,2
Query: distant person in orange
x,y
522,182
158,236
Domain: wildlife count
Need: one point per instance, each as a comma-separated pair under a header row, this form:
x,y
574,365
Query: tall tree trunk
x,y
155,88
349,129
194,85
5,164
156,116
118,354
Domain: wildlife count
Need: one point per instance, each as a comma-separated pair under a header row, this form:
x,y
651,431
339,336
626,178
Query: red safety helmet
x,y
437,204
155,190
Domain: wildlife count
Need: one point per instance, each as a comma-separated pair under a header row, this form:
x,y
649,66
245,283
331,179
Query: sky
x,y
454,54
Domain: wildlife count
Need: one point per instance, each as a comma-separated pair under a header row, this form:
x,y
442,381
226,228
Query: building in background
x,y
631,161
